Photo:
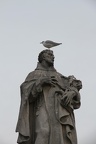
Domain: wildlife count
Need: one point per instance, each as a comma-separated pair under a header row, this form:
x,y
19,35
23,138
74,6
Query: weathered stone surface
x,y
48,100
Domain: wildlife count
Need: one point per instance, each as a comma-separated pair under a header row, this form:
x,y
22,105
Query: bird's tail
x,y
57,44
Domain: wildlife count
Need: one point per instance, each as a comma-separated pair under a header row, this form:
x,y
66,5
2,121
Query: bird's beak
x,y
40,42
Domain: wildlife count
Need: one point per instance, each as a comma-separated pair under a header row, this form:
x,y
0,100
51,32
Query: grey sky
x,y
23,25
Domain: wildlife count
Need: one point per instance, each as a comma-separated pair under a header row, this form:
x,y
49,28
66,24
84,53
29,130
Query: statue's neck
x,y
46,65
43,66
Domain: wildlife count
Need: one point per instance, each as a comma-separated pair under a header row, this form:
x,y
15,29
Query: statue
x,y
48,100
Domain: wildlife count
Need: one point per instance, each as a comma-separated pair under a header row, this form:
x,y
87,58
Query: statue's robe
x,y
42,119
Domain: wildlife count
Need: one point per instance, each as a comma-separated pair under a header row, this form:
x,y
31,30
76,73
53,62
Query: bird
x,y
49,44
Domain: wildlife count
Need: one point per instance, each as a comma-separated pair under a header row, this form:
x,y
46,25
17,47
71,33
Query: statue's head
x,y
74,82
47,56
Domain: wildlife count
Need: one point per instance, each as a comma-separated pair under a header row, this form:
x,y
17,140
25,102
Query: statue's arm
x,y
76,101
37,85
37,88
71,97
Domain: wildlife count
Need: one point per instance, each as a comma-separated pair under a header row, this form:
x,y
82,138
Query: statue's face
x,y
77,84
49,57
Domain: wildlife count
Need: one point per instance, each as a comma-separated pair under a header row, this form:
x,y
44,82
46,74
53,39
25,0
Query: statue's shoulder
x,y
65,80
62,76
30,76
33,75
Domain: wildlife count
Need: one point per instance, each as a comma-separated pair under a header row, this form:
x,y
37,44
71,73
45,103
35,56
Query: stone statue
x,y
48,100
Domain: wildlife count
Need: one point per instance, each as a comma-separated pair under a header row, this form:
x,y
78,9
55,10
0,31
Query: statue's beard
x,y
51,64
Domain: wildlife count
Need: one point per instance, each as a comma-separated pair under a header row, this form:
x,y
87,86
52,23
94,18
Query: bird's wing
x,y
51,42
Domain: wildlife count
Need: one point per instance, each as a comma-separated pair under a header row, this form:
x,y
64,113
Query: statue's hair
x,y
40,56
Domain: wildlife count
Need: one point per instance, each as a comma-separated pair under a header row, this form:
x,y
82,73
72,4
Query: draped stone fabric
x,y
42,118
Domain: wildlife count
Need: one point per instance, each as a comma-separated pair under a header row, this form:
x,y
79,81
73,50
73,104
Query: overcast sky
x,y
23,25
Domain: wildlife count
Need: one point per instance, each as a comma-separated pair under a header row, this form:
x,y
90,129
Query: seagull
x,y
49,44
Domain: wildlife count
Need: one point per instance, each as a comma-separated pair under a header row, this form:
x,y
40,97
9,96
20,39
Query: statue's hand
x,y
67,98
48,81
